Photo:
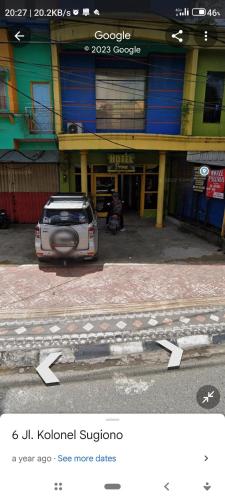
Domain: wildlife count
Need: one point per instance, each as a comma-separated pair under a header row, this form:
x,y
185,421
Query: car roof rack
x,y
68,196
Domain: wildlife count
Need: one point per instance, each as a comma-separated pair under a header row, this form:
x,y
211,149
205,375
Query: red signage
x,y
216,184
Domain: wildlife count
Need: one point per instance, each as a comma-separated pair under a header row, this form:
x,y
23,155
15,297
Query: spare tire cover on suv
x,y
64,240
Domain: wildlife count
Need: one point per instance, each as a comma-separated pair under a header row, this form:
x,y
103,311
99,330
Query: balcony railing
x,y
40,120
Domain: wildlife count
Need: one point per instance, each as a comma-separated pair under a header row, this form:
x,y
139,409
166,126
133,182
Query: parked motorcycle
x,y
4,219
114,223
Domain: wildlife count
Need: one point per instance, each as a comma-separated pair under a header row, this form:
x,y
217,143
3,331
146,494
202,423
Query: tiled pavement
x,y
67,331
28,288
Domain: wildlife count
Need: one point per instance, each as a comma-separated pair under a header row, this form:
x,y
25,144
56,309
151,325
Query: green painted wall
x,y
27,72
209,60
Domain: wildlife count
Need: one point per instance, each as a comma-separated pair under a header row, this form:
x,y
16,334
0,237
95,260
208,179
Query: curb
x,y
101,309
88,352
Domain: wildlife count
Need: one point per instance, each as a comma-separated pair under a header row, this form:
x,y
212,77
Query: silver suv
x,y
67,228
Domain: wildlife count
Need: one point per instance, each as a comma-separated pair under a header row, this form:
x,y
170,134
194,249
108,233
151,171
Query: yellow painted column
x,y
191,69
56,89
83,163
161,189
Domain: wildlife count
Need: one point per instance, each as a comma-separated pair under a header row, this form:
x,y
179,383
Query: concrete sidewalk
x,y
30,291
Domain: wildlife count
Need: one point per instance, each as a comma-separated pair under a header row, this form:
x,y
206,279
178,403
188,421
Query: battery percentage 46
x,y
201,11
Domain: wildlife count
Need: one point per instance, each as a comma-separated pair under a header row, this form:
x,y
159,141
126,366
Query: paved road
x,y
140,388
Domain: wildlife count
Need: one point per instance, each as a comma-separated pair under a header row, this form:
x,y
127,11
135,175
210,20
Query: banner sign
x,y
216,184
199,181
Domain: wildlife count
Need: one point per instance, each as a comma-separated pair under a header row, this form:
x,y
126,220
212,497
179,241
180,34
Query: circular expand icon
x,y
208,397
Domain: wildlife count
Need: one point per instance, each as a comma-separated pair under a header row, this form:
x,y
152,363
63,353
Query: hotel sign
x,y
121,162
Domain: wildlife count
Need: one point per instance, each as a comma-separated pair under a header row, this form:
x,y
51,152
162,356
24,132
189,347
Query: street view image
x,y
112,213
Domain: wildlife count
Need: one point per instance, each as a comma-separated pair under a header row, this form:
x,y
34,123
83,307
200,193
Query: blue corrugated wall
x,y
78,89
196,207
164,93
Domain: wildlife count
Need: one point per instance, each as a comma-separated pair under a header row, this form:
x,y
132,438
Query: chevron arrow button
x,y
176,353
44,371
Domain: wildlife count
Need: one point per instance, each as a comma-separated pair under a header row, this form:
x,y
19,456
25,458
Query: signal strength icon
x,y
183,12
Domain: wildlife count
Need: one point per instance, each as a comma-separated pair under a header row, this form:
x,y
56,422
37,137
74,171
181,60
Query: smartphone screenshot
x,y
112,249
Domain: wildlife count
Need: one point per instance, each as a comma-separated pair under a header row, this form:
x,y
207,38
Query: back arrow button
x,y
18,36
166,486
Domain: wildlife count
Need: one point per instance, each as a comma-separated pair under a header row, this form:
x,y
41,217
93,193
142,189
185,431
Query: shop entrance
x,y
137,189
127,185
129,188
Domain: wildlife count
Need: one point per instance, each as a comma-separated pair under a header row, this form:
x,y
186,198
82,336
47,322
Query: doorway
x,y
129,188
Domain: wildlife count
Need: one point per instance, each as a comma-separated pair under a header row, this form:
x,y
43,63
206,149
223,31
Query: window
x,y
67,217
120,99
41,111
3,92
213,97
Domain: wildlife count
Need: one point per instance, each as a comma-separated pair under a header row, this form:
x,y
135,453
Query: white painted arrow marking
x,y
44,371
176,353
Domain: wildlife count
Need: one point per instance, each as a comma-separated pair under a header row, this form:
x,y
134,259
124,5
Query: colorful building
x,y
121,118
28,147
189,197
94,115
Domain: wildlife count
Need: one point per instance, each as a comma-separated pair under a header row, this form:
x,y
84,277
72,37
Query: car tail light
x,y
91,232
37,232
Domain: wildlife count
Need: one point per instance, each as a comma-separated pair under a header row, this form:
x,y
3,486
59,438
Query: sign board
x,y
216,184
121,168
199,181
121,158
121,162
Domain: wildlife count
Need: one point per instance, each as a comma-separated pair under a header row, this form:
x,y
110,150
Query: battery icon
x,y
198,12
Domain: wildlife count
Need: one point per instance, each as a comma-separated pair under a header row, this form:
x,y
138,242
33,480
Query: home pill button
x,y
112,486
